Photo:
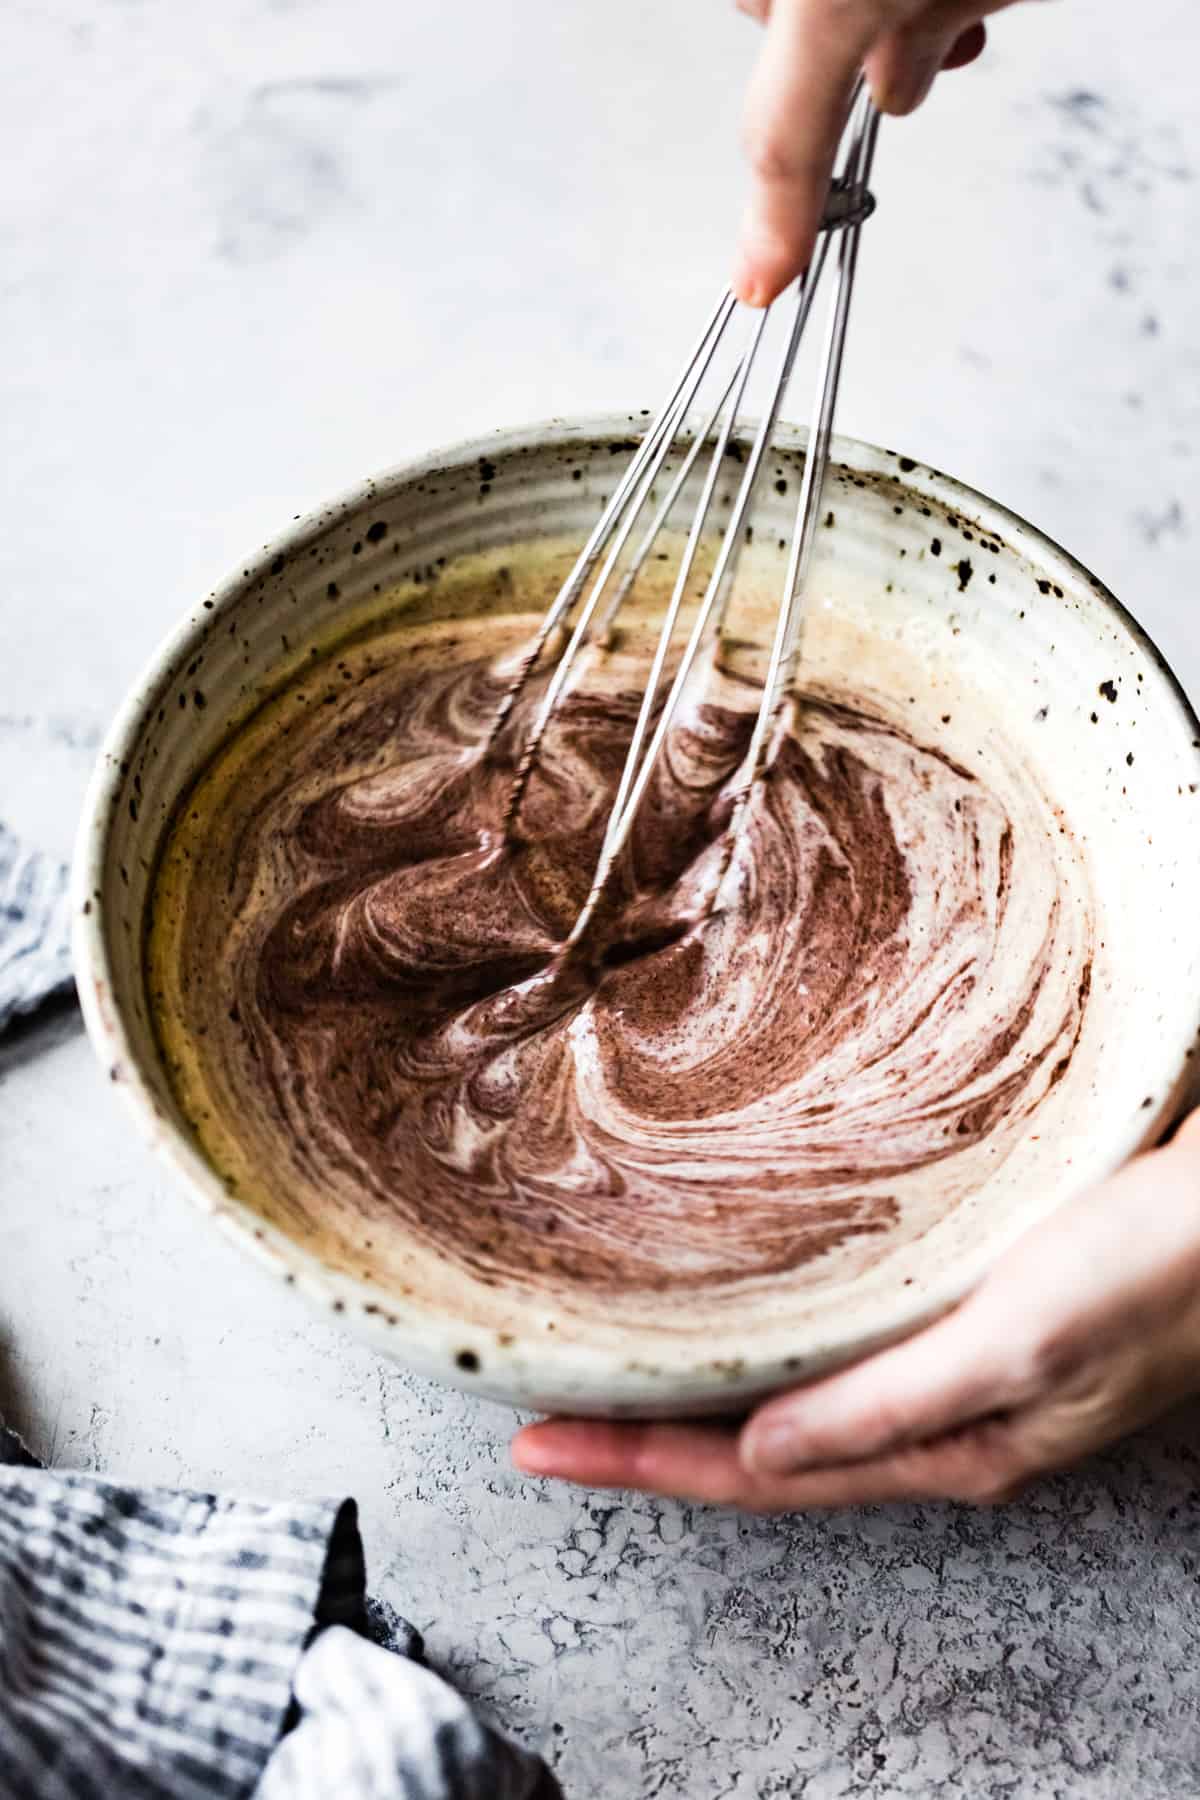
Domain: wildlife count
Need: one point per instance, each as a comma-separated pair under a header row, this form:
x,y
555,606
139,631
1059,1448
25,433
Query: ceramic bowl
x,y
961,585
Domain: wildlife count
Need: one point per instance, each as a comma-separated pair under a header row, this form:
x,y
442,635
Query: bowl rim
x,y
527,1362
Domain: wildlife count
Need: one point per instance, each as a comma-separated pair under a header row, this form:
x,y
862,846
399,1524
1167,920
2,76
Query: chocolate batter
x,y
373,1036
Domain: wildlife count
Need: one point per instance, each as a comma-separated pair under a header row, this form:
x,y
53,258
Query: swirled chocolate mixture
x,y
370,1030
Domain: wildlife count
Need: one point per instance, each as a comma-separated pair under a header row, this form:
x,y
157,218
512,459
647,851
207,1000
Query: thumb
x,y
957,1370
796,111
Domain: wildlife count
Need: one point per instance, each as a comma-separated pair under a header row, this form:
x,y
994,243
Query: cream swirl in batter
x,y
362,1007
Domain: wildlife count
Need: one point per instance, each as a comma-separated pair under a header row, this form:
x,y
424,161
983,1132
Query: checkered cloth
x,y
179,1646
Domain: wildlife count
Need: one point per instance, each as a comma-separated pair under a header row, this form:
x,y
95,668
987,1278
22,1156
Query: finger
x,y
700,1463
958,1370
904,63
1035,1339
702,1458
967,47
754,9
796,111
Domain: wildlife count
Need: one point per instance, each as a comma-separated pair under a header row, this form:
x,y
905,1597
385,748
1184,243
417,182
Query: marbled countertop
x,y
253,250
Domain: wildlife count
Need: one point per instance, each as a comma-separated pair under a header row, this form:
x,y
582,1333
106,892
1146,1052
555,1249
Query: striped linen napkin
x,y
157,1645
35,927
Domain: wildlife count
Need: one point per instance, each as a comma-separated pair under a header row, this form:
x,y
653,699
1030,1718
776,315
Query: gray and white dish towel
x,y
157,1645
35,931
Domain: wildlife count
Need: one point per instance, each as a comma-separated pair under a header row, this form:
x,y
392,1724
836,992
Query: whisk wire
x,y
635,765
850,203
785,649
592,550
583,625
638,769
665,509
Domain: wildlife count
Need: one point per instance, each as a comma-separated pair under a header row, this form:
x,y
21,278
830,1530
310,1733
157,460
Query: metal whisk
x,y
850,203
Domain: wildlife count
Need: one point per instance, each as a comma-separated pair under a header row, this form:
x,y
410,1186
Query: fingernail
x,y
747,284
533,1456
773,1448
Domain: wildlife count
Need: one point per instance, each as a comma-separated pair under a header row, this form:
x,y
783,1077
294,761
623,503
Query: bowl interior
x,y
950,590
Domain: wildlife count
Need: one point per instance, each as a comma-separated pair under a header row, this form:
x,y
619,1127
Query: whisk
x,y
850,203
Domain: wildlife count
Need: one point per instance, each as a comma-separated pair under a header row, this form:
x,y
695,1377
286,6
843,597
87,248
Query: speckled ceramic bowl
x,y
955,580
